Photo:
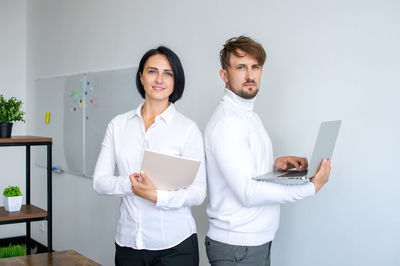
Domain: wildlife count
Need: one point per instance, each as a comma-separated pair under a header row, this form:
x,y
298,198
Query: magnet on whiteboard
x,y
47,120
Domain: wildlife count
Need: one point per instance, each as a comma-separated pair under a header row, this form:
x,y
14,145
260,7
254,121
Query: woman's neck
x,y
151,109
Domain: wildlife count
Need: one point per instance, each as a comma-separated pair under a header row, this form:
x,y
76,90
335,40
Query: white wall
x,y
338,60
12,84
326,60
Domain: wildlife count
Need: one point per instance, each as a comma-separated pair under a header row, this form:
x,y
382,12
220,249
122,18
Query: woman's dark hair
x,y
179,75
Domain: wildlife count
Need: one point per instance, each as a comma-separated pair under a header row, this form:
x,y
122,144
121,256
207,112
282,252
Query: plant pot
x,y
12,204
5,129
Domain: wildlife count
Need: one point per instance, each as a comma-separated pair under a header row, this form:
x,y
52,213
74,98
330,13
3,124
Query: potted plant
x,y
10,110
12,199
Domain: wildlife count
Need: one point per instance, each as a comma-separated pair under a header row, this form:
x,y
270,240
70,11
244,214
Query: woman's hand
x,y
143,187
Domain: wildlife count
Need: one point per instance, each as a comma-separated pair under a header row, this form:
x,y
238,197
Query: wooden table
x,y
59,258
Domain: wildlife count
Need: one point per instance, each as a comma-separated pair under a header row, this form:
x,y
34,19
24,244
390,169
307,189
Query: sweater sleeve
x,y
231,149
194,194
104,181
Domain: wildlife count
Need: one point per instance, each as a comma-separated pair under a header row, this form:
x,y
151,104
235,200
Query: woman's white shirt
x,y
143,224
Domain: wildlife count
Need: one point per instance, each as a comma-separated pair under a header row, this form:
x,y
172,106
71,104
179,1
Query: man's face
x,y
243,75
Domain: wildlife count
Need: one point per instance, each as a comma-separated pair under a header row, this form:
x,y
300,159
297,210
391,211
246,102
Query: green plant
x,y
12,191
12,251
10,110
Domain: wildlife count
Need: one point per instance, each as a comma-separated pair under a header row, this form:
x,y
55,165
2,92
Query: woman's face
x,y
157,78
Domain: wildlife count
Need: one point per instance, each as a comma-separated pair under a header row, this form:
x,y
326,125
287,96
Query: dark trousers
x,y
186,254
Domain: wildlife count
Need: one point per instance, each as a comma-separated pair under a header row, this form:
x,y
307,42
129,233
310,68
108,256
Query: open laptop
x,y
323,149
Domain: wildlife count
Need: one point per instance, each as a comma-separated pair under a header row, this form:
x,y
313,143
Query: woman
x,y
156,227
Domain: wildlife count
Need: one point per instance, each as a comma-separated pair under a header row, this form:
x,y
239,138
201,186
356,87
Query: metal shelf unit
x,y
29,212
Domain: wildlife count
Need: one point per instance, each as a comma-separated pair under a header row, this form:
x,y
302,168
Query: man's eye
x,y
240,67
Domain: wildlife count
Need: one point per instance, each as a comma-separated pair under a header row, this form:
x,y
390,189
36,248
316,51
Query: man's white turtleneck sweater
x,y
242,211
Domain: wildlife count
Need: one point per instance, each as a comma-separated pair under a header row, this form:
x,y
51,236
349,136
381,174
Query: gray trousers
x,y
221,254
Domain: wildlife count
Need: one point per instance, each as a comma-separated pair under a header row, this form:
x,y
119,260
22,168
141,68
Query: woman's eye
x,y
151,71
169,74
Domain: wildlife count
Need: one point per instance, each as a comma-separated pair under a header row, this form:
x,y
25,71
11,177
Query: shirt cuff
x,y
309,189
127,185
162,198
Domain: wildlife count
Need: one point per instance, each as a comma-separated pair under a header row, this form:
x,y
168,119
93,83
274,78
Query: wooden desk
x,y
59,258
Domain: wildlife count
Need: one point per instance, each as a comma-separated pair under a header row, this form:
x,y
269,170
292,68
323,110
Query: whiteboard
x,y
109,93
73,123
80,108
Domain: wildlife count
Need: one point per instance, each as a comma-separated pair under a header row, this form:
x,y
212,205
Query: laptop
x,y
324,146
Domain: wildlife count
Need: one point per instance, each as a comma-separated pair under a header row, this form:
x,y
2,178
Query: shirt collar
x,y
246,104
167,115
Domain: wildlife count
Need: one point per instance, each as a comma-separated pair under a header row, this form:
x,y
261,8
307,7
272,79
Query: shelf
x,y
27,212
25,139
30,213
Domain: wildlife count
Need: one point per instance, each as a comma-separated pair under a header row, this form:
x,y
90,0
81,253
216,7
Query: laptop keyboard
x,y
294,174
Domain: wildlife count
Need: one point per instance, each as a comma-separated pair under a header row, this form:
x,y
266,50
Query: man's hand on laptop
x,y
322,176
288,162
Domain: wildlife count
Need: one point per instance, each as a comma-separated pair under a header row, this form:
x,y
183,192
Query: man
x,y
243,213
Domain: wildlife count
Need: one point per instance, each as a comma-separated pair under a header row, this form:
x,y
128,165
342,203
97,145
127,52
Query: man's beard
x,y
246,94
